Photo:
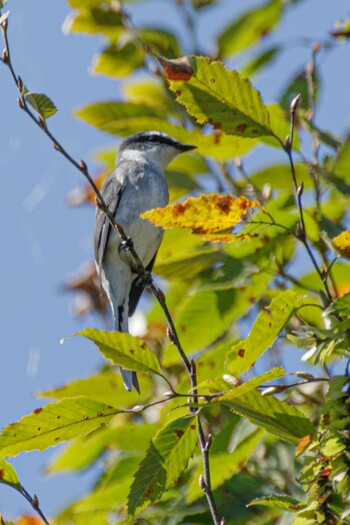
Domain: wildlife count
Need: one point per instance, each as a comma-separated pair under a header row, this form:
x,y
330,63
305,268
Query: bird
x,y
136,185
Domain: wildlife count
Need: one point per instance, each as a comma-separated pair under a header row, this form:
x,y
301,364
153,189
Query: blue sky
x,y
43,240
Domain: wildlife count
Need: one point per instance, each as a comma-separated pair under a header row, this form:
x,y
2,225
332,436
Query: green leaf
x,y
266,328
109,116
165,460
252,384
124,350
342,29
8,475
54,423
340,306
182,256
86,4
149,91
214,311
262,59
218,96
275,416
249,28
119,60
342,163
95,19
42,104
106,387
280,123
132,438
298,84
2,3
278,177
279,502
126,118
160,41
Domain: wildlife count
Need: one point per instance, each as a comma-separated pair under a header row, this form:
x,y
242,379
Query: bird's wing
x,y
111,192
137,288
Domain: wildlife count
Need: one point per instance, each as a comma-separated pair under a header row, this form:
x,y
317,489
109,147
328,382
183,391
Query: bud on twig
x,y
295,103
287,143
83,166
316,46
19,84
202,483
5,56
35,501
273,390
170,335
300,189
209,442
309,68
169,393
300,232
193,367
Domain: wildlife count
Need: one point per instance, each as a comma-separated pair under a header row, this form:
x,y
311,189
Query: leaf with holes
x,y
54,423
212,216
41,104
124,350
218,96
164,462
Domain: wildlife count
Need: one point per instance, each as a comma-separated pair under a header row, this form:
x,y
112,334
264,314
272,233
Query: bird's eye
x,y
153,140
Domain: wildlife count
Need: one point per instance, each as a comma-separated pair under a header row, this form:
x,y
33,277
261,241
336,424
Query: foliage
x,y
240,299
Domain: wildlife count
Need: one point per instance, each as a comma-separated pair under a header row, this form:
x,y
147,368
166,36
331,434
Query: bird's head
x,y
154,146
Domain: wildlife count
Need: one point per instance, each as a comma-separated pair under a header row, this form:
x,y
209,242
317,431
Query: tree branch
x,y
301,232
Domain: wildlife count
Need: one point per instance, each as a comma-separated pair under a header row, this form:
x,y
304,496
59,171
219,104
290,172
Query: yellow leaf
x,y
211,216
342,242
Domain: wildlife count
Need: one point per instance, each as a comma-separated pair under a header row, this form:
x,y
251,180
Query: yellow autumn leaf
x,y
342,242
211,216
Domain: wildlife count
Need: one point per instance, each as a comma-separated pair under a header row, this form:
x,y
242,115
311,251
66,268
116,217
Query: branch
x,y
301,231
34,501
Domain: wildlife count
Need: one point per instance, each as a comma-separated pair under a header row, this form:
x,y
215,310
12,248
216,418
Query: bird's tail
x,y
129,376
130,380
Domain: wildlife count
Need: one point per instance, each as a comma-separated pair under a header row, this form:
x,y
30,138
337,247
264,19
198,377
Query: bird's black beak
x,y
185,147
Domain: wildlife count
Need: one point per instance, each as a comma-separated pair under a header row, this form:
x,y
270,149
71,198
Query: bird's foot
x,y
127,244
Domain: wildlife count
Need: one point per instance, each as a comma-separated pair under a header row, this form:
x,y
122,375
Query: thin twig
x,y
282,388
33,501
301,232
205,444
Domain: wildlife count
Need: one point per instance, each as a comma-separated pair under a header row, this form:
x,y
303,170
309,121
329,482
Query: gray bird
x,y
137,184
